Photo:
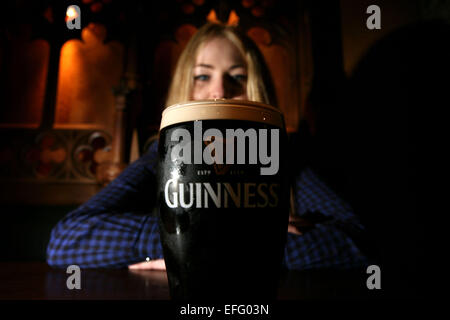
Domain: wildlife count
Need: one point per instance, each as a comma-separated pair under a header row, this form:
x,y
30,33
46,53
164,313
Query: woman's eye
x,y
239,77
202,77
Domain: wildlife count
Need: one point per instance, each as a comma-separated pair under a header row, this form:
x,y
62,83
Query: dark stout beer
x,y
223,199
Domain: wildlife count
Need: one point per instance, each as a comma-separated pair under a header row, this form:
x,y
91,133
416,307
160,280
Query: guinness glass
x,y
223,197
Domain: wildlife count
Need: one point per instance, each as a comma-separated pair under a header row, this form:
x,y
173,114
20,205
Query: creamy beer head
x,y
222,189
222,109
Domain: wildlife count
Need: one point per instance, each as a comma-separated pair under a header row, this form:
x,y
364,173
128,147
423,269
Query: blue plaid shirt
x,y
117,227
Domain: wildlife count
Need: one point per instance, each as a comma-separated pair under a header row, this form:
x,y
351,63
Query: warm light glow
x,y
85,64
233,18
71,13
212,17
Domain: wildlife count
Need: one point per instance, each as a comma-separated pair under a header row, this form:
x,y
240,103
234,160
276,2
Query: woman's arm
x,y
327,229
115,228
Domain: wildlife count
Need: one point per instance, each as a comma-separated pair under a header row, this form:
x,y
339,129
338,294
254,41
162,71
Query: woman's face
x,y
220,72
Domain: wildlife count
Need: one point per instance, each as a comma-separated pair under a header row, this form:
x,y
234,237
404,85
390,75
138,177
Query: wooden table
x,y
38,281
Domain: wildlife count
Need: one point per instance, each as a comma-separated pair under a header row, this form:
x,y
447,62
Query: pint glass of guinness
x,y
223,197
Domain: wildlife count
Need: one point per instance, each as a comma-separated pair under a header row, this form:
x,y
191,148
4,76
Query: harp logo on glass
x,y
214,151
73,17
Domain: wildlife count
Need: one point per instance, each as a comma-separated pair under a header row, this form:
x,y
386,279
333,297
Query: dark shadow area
x,y
25,230
371,144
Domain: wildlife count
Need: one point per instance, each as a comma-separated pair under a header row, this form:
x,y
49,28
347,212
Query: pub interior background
x,y
77,106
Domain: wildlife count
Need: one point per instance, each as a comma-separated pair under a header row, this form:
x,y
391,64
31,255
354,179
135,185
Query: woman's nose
x,y
217,90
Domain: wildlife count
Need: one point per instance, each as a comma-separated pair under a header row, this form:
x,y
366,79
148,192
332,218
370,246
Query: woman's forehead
x,y
217,50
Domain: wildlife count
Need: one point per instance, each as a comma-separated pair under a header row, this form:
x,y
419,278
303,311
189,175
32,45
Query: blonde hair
x,y
259,82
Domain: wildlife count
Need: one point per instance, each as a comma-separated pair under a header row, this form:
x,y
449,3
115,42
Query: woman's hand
x,y
157,264
299,225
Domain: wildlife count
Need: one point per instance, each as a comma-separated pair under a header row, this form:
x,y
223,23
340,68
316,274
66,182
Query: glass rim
x,y
222,109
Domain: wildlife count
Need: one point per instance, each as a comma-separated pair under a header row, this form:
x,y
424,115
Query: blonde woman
x,y
220,62
116,227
